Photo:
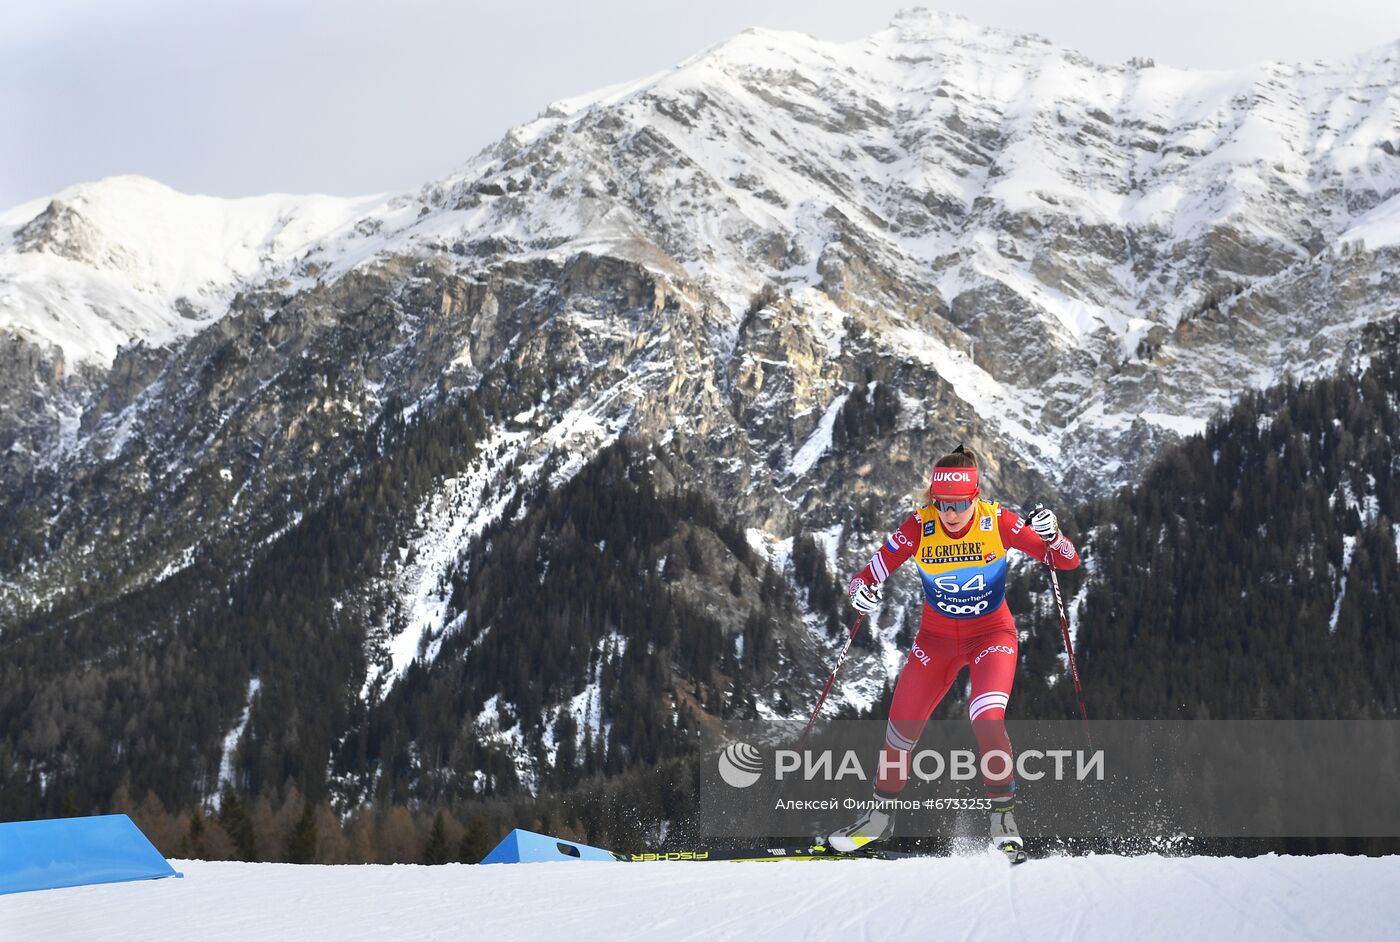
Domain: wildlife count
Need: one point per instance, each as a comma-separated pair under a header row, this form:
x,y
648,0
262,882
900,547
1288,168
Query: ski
x,y
762,854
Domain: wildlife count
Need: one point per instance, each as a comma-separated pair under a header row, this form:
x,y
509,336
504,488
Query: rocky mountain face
x,y
798,270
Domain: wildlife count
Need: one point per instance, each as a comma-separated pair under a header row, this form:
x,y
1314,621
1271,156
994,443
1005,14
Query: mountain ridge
x,y
797,271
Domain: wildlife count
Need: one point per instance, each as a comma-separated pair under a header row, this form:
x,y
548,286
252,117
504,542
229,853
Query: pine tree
x,y
301,843
476,841
192,844
237,823
435,851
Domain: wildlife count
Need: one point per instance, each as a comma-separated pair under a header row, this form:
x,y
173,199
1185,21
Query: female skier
x,y
960,542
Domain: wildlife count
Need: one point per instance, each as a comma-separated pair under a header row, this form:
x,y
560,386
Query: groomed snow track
x,y
1111,898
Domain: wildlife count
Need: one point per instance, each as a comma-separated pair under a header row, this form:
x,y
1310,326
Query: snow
x,y
179,564
973,897
133,249
819,442
511,742
231,741
1017,412
761,542
1378,228
455,514
1183,425
1073,608
830,542
733,169
1220,130
449,519
1348,548
602,97
586,707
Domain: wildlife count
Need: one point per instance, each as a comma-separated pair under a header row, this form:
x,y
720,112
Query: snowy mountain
x,y
959,192
796,271
127,260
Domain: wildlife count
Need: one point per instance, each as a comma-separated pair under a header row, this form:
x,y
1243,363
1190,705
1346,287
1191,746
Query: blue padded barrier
x,y
520,846
45,855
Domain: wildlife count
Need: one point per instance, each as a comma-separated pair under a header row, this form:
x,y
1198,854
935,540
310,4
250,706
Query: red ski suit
x,y
966,621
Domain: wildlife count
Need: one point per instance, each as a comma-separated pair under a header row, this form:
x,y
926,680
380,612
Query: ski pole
x,y
830,680
777,793
1064,631
1069,648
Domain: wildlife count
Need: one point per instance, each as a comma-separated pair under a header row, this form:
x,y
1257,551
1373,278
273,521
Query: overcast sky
x,y
352,97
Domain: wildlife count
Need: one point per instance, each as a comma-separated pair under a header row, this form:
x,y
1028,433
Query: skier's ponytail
x,y
960,457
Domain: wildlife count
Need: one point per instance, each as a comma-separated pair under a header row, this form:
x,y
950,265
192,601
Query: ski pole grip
x,y
1031,513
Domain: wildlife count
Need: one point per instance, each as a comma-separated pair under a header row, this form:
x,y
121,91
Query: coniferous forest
x,y
1249,575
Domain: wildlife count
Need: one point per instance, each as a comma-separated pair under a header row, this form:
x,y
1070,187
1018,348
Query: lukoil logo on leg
x,y
740,765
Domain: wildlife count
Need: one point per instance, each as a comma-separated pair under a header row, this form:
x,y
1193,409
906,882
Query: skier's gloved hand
x,y
865,598
1045,525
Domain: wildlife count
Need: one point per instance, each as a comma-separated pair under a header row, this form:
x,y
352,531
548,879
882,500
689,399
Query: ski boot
x,y
1005,837
875,824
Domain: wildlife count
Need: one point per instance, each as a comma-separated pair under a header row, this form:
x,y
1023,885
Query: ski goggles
x,y
954,506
